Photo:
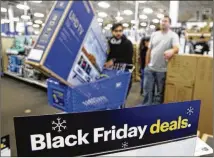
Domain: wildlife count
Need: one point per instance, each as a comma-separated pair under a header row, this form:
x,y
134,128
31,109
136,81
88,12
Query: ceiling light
x,y
107,28
22,6
119,18
39,15
29,23
102,14
155,21
160,16
142,16
100,24
133,21
36,1
36,32
152,26
148,10
211,24
99,19
125,25
141,1
143,24
43,24
128,12
36,25
109,25
16,19
3,10
38,21
103,5
3,21
25,17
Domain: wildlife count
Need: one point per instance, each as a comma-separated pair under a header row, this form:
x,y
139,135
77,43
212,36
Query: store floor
x,y
21,99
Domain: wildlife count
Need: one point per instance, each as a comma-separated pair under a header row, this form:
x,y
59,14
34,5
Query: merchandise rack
x,y
31,81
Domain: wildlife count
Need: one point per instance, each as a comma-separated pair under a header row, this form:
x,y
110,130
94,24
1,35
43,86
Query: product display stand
x,y
38,83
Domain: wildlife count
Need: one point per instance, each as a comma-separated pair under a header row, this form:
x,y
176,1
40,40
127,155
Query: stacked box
x,y
203,90
71,46
189,77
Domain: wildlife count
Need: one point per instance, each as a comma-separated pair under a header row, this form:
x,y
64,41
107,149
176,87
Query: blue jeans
x,y
153,79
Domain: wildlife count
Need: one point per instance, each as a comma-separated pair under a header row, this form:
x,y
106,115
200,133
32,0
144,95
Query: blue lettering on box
x,y
69,39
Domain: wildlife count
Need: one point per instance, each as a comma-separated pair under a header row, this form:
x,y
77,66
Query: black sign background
x,y
5,141
139,116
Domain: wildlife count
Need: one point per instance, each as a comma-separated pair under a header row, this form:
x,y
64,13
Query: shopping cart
x,y
108,92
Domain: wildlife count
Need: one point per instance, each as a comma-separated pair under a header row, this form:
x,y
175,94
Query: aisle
x,y
16,97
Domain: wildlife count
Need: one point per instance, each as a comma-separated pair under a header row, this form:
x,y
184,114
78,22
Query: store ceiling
x,y
187,9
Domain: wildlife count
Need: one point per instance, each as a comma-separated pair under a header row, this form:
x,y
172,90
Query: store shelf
x,y
38,83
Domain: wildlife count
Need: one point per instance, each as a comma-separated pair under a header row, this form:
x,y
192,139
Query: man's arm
x,y
175,48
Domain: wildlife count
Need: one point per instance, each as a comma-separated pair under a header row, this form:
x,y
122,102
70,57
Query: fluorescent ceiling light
x,y
152,26
36,1
16,19
133,21
36,32
3,10
39,15
141,1
22,6
160,16
125,25
103,4
119,18
128,12
148,10
38,21
100,24
143,24
109,25
25,17
99,19
102,14
107,28
3,21
29,23
36,25
155,21
142,16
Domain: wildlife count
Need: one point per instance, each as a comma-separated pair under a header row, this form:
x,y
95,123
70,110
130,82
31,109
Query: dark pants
x,y
153,79
142,77
130,86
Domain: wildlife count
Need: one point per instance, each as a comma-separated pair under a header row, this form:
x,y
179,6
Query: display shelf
x,y
38,83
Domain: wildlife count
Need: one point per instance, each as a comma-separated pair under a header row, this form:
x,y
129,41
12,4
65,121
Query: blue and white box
x,y
71,46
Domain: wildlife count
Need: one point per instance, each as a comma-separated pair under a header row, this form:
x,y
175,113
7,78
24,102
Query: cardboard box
x,y
203,90
71,46
177,92
182,68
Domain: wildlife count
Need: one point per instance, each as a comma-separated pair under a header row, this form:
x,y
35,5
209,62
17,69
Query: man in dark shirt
x,y
201,47
121,49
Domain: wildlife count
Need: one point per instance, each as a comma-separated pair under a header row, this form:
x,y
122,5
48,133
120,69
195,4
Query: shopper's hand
x,y
109,64
168,54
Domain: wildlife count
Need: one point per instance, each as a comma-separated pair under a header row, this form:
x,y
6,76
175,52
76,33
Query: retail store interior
x,y
24,88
